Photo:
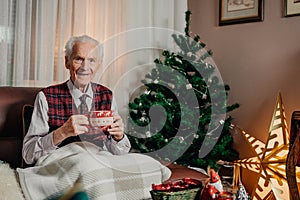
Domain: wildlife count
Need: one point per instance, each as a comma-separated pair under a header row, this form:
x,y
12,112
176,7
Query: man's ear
x,y
67,62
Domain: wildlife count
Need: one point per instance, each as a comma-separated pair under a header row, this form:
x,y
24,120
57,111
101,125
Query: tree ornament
x,y
191,73
207,66
148,134
178,60
189,86
143,119
242,193
147,92
171,85
181,139
189,54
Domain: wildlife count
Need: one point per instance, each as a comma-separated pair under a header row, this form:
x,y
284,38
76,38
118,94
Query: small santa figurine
x,y
213,187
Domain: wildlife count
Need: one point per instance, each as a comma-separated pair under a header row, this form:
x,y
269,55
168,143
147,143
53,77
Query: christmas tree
x,y
182,115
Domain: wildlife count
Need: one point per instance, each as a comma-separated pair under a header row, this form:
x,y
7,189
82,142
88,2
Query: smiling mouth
x,y
82,74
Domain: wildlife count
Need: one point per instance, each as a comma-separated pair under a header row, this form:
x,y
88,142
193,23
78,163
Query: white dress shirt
x,y
39,142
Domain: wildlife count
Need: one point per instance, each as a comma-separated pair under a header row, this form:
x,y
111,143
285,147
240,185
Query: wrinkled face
x,y
83,63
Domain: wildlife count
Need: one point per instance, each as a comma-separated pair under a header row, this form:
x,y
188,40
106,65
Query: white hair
x,y
84,38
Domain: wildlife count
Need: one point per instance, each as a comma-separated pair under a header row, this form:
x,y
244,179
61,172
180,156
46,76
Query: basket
x,y
184,189
188,194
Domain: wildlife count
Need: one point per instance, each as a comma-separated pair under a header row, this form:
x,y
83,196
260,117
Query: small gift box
x,y
186,188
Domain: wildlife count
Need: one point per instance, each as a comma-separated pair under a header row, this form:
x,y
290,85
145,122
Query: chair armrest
x,y
11,151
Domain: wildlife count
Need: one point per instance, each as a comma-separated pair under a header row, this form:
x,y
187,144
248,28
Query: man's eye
x,y
91,60
78,60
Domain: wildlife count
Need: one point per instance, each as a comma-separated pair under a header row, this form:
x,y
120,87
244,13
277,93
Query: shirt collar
x,y
76,93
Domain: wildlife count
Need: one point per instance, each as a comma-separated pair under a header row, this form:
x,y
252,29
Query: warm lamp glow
x,y
270,160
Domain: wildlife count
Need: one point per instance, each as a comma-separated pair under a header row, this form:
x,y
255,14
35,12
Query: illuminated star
x,y
270,159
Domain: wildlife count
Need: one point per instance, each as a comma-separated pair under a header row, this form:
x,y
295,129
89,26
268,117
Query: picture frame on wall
x,y
292,8
240,11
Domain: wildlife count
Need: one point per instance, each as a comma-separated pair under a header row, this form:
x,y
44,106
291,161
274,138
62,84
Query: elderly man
x,y
60,111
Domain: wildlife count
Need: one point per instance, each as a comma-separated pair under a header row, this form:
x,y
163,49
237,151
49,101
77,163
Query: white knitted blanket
x,y
99,173
9,186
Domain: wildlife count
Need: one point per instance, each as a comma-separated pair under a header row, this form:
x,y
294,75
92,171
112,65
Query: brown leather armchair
x,y
12,100
293,158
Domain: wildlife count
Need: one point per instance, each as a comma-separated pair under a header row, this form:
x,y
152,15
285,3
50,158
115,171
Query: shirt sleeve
x,y
118,148
38,141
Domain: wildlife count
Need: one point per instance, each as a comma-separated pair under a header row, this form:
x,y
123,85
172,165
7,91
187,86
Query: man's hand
x,y
116,130
75,125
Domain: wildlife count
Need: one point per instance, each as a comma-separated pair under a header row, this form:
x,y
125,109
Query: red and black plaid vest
x,y
61,106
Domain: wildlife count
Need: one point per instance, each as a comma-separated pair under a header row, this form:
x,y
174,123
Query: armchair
x,y
293,158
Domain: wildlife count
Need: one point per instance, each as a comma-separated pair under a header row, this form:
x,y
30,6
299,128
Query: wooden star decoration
x,y
270,159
